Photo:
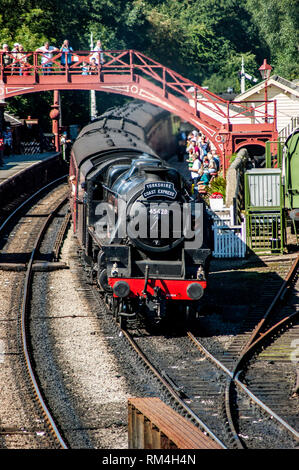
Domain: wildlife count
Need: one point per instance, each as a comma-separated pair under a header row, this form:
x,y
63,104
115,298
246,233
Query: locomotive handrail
x,y
120,196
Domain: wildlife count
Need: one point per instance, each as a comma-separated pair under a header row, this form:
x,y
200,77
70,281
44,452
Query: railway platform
x,y
23,175
13,164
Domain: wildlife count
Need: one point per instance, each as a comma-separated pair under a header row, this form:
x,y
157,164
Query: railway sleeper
x,y
38,266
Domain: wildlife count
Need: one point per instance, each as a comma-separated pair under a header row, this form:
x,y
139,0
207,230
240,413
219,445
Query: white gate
x,y
229,239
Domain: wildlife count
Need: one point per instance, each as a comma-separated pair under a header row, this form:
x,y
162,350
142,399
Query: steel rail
x,y
266,408
221,366
279,295
24,327
233,377
29,199
61,234
251,345
170,389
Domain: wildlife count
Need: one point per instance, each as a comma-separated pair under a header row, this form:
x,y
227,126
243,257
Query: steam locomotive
x,y
143,237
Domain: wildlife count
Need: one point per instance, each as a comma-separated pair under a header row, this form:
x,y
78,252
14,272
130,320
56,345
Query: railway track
x,y
20,255
184,380
183,377
188,381
277,329
210,394
264,348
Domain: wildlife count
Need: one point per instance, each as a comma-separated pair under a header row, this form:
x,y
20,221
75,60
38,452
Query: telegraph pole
x,y
242,77
93,104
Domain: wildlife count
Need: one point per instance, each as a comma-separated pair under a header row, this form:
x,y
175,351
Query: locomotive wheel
x,y
108,301
122,321
88,276
115,308
188,316
103,281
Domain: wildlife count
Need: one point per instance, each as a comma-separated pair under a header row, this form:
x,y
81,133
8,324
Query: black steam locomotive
x,y
143,238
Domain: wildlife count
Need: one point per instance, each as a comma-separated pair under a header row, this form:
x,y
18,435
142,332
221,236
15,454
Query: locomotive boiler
x,y
143,238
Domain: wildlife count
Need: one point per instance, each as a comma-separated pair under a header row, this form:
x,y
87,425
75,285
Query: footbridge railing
x,y
88,66
228,125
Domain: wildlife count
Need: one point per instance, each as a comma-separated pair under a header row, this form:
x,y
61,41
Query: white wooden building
x,y
285,93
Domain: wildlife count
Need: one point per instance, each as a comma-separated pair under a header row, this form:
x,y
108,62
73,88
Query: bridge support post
x,y
2,107
54,115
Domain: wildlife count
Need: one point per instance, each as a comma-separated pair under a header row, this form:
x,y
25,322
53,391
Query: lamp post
x,y
265,71
54,115
93,103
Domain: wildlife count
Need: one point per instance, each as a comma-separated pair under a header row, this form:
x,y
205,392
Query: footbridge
x,y
229,125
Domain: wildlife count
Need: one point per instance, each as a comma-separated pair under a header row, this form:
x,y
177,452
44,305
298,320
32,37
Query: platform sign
x,y
31,122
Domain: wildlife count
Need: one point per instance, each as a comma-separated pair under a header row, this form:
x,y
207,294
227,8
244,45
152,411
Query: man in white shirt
x,y
194,170
98,49
47,54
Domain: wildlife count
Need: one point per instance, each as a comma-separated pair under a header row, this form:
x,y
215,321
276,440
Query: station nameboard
x,y
31,121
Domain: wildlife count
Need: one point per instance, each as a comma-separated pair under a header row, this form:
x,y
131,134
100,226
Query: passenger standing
x,y
7,141
84,68
181,145
212,165
194,170
15,61
66,52
93,67
203,180
188,144
63,144
189,151
205,164
6,57
98,53
47,55
190,148
66,146
216,158
203,147
22,59
197,150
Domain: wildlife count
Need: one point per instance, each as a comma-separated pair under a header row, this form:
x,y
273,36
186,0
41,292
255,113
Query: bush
x,y
217,185
232,158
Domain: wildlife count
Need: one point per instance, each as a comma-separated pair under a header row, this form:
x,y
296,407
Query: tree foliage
x,y
277,22
204,40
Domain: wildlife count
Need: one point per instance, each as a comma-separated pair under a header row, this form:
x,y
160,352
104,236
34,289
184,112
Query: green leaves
x,y
203,40
278,24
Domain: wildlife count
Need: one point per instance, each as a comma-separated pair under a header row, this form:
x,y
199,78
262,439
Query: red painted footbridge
x,y
230,125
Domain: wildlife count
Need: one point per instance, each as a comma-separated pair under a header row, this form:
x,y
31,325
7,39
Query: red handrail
x,y
134,63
